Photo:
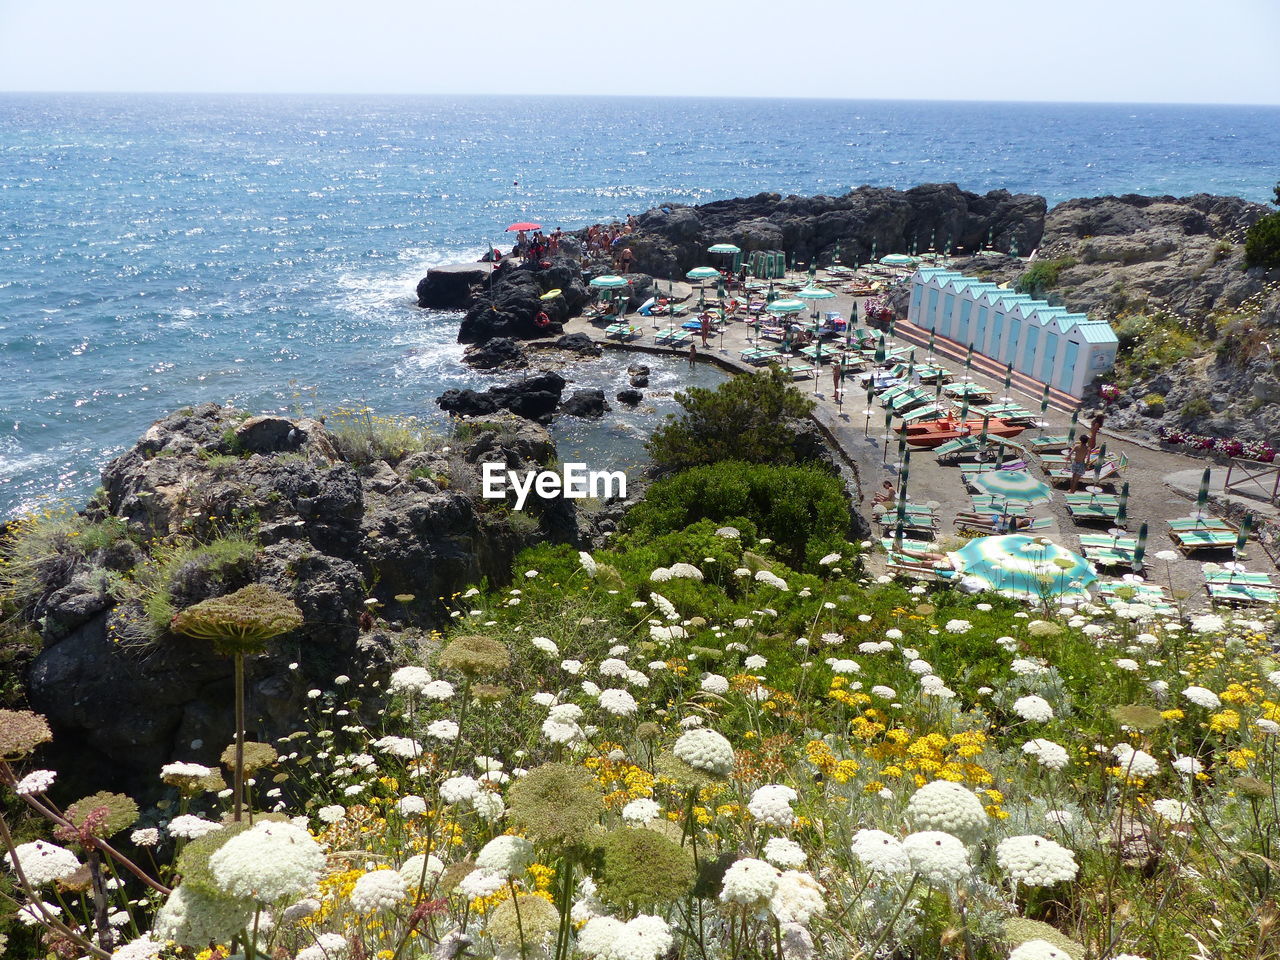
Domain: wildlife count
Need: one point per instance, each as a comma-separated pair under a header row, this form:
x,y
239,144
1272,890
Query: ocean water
x,y
157,251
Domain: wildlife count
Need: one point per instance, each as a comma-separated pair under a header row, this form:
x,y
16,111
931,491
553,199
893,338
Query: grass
x,y
41,550
363,437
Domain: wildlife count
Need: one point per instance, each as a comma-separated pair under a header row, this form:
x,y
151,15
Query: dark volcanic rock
x,y
585,403
579,343
498,352
630,397
534,398
638,374
449,288
671,240
510,305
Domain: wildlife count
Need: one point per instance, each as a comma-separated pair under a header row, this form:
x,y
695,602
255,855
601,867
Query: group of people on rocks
x,y
537,246
611,241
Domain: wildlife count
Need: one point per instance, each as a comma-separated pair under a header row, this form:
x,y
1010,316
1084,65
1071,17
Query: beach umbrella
x,y
968,362
723,248
1102,458
1140,551
881,352
1024,567
933,339
986,423
964,407
1008,377
1243,536
523,226
786,305
1122,509
897,260
815,294
609,282
702,275
1202,495
1015,486
888,428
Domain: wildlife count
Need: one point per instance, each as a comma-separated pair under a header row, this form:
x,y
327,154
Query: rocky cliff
x,y
371,546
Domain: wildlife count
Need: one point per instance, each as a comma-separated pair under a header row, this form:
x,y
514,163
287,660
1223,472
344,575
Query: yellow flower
x,y
1174,714
1224,721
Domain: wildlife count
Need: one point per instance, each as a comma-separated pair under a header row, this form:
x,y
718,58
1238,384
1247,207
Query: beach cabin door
x,y
1029,351
1050,354
1068,379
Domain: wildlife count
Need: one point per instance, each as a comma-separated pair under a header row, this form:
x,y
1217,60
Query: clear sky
x,y
1182,51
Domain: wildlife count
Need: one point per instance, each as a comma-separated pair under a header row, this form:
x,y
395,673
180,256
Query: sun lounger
x,y
1192,524
906,401
1109,474
986,503
1096,512
759,355
995,522
1189,541
622,331
893,546
1086,497
1109,551
966,389
800,371
818,355
1152,595
1238,577
672,336
1048,442
930,411
970,469
918,569
1242,594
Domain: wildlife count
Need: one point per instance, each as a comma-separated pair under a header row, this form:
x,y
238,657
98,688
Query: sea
x,y
158,251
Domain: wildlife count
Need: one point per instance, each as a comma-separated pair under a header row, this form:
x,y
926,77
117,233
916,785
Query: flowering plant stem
x,y
238,773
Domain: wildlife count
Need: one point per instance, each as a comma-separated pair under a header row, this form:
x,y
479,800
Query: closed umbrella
x,y
1020,566
881,352
1102,458
1202,496
1243,536
1140,551
968,362
1014,486
1044,407
888,429
933,338
1122,509
1008,377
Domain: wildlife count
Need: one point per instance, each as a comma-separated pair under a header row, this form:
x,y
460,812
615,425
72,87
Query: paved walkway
x,y
1162,485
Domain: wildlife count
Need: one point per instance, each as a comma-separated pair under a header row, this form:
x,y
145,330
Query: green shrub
x,y
1197,406
744,419
183,574
1262,243
1150,343
42,550
799,508
1042,275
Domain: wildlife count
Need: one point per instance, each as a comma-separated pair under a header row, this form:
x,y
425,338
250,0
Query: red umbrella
x,y
524,226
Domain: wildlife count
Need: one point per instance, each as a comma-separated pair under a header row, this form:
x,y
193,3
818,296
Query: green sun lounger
x,y
1189,541
930,411
622,331
800,371
759,355
1096,512
1245,577
672,336
1242,594
1039,443
1191,524
986,503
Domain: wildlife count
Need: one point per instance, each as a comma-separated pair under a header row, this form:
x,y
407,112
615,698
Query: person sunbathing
x,y
997,523
886,495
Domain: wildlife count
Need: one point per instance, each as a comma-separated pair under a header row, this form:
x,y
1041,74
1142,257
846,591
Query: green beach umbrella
x,y
815,294
702,274
1122,509
609,282
1044,401
723,248
898,260
1202,495
786,305
1102,458
1015,486
1008,377
1140,551
968,362
881,352
1020,566
986,423
1245,526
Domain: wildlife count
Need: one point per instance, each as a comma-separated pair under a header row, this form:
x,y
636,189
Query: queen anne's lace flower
x,y
1038,950
771,805
43,862
188,826
412,870
1033,708
642,938
37,781
797,898
1036,861
482,883
402,747
411,805
379,890
1047,753
943,805
328,946
332,813
1202,697
268,862
705,750
880,852
144,948
714,683
546,645
1174,811
750,883
1135,763
618,702
443,730
938,857
783,852
771,579
506,854
640,812
408,680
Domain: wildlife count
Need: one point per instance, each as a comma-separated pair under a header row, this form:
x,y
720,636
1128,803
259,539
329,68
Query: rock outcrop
x,y
672,239
342,538
511,304
588,403
498,353
535,398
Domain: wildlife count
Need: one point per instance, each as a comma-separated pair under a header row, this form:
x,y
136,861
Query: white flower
x,y
1036,861
660,575
328,946
755,662
482,883
1059,818
943,805
843,666
588,563
571,667
1208,623
411,805
938,857
402,747
665,606
1038,950
546,645
566,713
1049,754
771,579
1175,811
188,826
797,898
783,852
1028,668
559,732
883,692
645,937
1202,697
1135,763
1187,766
640,812
408,680
144,948
268,862
443,730
306,907
506,854
749,883
379,890
438,690
1033,708
459,789
920,667
412,870
958,626
714,683
181,770
1269,727
729,533
613,667
145,837
771,805
618,702
43,862
880,852
705,750
37,781
686,571
332,813
489,806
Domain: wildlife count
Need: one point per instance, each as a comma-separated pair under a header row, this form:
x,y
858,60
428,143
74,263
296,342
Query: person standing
x,y
835,379
1079,461
693,355
705,329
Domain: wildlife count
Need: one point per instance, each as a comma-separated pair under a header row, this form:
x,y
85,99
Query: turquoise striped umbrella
x,y
1025,567
702,273
723,248
1014,486
609,282
786,305
815,294
898,260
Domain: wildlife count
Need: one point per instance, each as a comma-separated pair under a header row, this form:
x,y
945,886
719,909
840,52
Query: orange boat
x,y
934,433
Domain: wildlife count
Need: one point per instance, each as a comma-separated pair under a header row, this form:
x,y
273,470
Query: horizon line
x,y
636,96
